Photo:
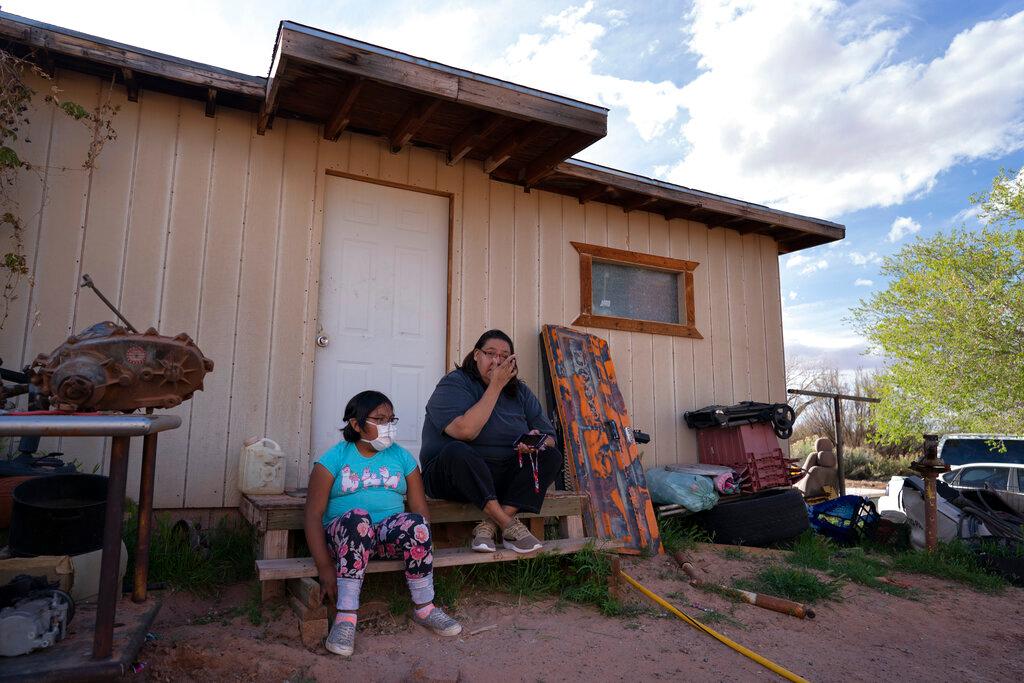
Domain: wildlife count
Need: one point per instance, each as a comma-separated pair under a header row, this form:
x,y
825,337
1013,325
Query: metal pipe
x,y
109,591
87,282
769,602
840,465
146,478
930,466
85,425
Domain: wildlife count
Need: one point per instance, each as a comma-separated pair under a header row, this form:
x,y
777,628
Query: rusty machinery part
x,y
106,367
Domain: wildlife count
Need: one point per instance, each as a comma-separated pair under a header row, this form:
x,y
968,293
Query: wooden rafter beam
x,y
131,84
470,137
504,150
545,164
268,107
721,208
211,102
342,113
689,213
593,191
410,123
44,60
638,202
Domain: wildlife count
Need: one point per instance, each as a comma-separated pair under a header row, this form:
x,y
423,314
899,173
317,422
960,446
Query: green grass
x,y
951,561
733,553
793,584
681,534
581,578
866,564
230,557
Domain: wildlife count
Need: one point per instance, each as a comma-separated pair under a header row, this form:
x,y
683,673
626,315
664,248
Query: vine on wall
x,y
16,95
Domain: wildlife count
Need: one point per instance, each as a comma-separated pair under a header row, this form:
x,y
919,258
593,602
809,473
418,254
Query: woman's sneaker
x,y
342,638
438,622
483,537
518,538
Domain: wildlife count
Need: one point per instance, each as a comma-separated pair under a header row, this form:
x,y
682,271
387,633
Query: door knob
x,y
323,340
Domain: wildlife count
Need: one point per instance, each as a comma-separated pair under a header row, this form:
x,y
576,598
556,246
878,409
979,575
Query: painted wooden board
x,y
598,438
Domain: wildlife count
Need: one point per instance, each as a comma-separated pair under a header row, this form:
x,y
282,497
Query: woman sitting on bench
x,y
355,511
472,446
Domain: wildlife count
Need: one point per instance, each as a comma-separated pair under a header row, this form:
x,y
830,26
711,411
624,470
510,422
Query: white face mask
x,y
386,434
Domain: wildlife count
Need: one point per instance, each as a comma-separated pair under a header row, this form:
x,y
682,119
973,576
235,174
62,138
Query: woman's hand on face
x,y
504,372
328,584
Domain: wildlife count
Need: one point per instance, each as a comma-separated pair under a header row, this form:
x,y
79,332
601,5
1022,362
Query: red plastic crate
x,y
752,450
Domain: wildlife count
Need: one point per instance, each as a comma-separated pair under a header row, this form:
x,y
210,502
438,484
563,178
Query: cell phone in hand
x,y
534,441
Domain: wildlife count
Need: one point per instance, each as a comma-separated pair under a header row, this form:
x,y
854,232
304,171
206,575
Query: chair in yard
x,y
822,468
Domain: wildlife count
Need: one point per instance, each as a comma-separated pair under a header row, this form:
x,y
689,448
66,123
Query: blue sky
x,y
881,115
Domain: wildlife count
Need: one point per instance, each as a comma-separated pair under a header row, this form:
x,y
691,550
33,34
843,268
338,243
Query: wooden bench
x,y
274,517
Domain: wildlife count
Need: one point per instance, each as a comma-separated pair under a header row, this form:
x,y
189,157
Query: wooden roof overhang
x,y
521,135
135,68
518,133
590,182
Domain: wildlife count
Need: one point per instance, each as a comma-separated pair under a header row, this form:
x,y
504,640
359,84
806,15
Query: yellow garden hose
x,y
785,673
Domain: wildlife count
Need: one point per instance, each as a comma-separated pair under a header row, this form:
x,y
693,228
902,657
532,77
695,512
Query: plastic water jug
x,y
261,467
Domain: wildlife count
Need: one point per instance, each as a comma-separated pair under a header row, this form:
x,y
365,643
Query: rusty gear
x,y
106,367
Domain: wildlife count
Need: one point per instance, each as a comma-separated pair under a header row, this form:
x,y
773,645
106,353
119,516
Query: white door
x,y
383,304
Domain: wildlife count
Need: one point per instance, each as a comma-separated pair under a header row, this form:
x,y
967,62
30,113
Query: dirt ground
x,y
950,632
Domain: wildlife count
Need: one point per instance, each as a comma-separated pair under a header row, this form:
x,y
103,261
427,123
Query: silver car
x,y
1006,480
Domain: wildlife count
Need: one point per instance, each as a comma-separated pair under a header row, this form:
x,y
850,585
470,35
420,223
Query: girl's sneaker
x,y
438,622
342,638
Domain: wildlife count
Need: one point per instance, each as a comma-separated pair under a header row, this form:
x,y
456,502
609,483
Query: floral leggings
x,y
353,538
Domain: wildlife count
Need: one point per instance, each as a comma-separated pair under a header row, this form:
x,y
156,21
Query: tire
x,y
768,517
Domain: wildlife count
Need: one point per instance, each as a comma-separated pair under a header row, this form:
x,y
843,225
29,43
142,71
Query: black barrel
x,y
58,515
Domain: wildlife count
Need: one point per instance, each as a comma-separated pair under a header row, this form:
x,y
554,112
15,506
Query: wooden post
x,y
537,528
273,546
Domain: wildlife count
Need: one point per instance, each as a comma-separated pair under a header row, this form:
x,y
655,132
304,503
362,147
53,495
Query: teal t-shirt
x,y
375,484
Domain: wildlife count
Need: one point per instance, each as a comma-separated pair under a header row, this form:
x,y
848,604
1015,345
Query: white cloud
x,y
797,260
808,263
792,295
901,227
859,259
818,324
617,17
968,215
820,119
562,61
862,282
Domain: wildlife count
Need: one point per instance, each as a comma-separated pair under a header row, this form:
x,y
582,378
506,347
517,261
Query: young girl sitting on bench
x,y
355,511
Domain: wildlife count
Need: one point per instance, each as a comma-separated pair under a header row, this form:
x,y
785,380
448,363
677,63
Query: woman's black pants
x,y
459,473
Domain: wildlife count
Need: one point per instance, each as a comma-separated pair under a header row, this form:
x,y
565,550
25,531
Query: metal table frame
x,y
121,428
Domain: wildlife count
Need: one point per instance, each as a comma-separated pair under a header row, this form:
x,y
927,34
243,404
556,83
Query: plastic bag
x,y
693,491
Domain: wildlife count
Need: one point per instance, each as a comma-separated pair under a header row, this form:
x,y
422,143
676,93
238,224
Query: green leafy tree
x,y
951,325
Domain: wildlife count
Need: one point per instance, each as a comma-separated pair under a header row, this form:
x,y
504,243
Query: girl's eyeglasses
x,y
382,420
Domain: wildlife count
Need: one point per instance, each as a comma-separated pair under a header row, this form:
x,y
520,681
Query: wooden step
x,y
280,512
298,567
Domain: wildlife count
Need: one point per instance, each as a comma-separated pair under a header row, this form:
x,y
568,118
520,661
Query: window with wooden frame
x,y
626,290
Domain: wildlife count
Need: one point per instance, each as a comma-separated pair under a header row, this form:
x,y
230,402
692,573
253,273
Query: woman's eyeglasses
x,y
494,355
382,420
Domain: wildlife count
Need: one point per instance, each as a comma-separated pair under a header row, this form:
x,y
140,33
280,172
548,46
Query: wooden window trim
x,y
587,318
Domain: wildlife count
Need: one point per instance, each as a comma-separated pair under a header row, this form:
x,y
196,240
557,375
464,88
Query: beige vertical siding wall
x,y
197,224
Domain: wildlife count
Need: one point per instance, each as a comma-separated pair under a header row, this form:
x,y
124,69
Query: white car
x,y
1005,480
903,503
